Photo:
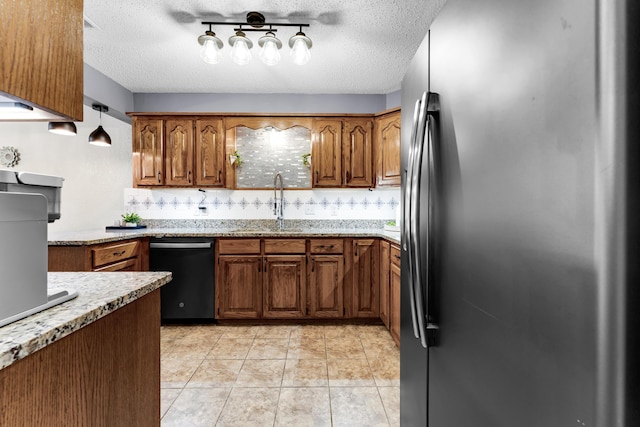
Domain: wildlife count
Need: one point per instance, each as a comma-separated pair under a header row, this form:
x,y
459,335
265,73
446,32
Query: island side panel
x,y
101,375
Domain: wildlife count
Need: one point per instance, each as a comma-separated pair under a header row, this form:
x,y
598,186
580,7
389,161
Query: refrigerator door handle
x,y
416,234
407,241
432,138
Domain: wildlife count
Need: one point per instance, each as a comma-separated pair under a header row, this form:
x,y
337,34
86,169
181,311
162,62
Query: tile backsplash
x,y
329,204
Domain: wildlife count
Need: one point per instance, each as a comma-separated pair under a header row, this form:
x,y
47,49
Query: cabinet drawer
x,y
284,246
126,265
114,253
326,246
239,246
395,255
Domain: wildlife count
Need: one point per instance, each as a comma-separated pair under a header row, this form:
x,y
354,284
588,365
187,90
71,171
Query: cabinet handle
x,y
159,177
316,177
189,177
313,264
397,256
259,266
265,264
346,177
219,176
356,250
119,253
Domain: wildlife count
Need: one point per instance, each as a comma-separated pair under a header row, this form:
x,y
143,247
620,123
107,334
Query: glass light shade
x,y
240,52
270,54
210,52
300,52
63,128
100,137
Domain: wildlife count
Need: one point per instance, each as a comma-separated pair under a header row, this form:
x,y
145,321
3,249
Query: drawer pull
x,y
119,253
397,256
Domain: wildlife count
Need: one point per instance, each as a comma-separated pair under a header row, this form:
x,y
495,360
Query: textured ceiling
x,y
359,46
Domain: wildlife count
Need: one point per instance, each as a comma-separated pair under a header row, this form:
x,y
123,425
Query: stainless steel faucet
x,y
278,204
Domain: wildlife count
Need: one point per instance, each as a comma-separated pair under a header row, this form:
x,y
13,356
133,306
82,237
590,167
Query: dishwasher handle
x,y
185,245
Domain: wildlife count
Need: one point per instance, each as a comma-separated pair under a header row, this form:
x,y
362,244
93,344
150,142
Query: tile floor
x,y
279,375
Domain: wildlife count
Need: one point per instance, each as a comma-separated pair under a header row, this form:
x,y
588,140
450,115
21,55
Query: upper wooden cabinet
x,y
178,152
342,152
357,154
326,153
387,149
42,54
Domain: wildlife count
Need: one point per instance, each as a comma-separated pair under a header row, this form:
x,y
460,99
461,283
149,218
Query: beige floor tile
x,y
375,350
196,407
167,397
216,373
386,371
239,331
304,407
305,373
345,348
230,348
274,331
307,331
391,402
175,373
349,373
357,406
269,348
340,331
307,348
190,350
261,373
250,407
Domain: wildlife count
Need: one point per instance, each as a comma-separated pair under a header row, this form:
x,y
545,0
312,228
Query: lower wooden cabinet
x,y
239,287
394,293
326,289
124,255
365,276
284,286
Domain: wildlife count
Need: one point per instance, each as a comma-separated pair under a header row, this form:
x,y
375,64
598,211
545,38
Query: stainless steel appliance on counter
x,y
191,294
27,203
521,195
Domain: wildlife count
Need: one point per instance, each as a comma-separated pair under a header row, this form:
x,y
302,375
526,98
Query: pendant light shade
x,y
211,47
99,136
300,45
240,48
270,53
63,128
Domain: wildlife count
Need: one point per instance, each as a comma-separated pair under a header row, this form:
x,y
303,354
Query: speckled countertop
x,y
228,229
98,295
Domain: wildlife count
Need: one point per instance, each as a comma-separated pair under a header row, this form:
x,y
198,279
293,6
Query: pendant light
x,y
63,128
99,136
240,48
300,45
270,53
211,52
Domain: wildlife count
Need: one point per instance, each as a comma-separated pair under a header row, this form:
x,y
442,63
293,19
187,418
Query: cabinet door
x,y
365,278
388,150
210,157
326,286
148,152
384,282
239,287
326,158
394,303
179,152
357,153
284,286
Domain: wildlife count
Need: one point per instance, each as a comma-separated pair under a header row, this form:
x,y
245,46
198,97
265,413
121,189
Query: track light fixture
x,y
241,45
99,136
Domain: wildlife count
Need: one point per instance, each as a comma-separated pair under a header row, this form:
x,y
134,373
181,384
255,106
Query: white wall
x,y
94,176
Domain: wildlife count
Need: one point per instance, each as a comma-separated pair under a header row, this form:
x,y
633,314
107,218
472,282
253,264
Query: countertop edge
x,y
39,334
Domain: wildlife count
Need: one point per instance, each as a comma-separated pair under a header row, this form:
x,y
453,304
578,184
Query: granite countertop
x,y
90,237
98,295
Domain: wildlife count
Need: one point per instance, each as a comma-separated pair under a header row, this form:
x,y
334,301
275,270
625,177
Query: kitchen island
x,y
94,360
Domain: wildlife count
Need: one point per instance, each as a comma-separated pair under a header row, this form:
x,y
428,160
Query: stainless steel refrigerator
x,y
520,281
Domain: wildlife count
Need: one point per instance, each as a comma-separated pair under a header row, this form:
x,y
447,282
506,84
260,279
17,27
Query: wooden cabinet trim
x,y
284,246
239,246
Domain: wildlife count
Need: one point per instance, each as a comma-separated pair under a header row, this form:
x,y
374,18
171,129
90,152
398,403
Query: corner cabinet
x,y
387,138
178,152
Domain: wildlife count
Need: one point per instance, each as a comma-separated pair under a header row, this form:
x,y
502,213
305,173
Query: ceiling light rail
x,y
240,53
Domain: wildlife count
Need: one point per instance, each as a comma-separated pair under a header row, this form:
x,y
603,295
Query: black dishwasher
x,y
190,294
